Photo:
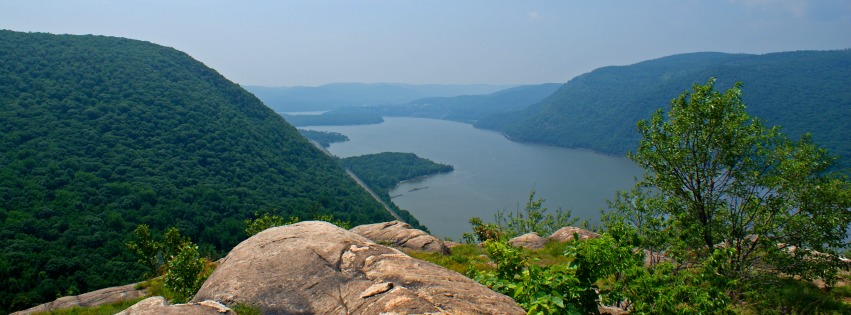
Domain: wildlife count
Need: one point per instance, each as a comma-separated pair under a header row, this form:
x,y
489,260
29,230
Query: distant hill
x,y
463,108
337,95
804,91
100,134
469,108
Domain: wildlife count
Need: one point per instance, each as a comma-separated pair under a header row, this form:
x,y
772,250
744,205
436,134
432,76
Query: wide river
x,y
491,172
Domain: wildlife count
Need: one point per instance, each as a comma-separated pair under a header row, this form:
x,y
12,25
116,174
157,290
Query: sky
x,y
313,42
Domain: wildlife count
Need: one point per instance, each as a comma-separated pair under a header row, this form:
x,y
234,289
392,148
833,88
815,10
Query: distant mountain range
x,y
337,95
470,108
802,91
464,108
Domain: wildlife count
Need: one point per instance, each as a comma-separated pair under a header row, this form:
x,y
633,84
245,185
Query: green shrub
x,y
260,223
533,218
185,274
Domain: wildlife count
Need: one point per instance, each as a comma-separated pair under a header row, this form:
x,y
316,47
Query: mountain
x,y
463,108
336,95
100,134
469,108
802,91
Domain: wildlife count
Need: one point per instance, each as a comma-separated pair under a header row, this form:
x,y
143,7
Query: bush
x,y
185,274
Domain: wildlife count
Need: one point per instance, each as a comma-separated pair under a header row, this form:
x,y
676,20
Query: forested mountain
x,y
101,134
469,108
804,91
337,95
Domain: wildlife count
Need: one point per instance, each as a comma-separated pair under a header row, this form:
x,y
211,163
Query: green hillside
x,y
806,91
100,134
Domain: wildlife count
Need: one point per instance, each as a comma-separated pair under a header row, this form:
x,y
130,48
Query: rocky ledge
x,y
318,268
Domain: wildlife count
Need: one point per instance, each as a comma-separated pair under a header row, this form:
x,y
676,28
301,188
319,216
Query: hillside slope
x,y
100,134
806,91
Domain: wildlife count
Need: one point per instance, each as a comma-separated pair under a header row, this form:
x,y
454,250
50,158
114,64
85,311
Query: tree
x,y
717,179
146,248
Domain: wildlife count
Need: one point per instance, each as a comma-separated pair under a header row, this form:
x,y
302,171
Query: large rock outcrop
x,y
401,234
318,268
94,298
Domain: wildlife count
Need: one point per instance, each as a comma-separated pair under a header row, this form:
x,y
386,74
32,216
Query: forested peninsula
x,y
101,134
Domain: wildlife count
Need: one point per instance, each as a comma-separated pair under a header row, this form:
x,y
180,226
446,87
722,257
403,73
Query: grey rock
x,y
158,305
318,268
529,240
566,234
402,235
94,298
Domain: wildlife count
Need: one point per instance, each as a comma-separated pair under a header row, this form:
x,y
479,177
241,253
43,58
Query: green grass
x,y
466,256
462,257
245,309
104,309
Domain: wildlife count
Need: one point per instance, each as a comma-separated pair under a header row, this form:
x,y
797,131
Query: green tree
x,y
185,274
717,179
260,223
145,247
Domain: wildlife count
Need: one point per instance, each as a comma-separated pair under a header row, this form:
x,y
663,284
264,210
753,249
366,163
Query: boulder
x,y
318,268
566,234
401,234
94,298
452,244
157,305
529,240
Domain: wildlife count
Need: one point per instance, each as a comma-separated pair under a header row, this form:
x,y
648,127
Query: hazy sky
x,y
278,43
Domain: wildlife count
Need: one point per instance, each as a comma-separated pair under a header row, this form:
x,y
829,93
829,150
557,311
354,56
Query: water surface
x,y
491,172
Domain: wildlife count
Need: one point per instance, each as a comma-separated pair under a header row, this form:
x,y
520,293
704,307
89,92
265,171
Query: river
x,y
491,172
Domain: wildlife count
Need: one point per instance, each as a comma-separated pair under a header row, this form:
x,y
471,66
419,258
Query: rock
x,y
318,268
94,298
401,234
452,244
566,234
529,240
158,305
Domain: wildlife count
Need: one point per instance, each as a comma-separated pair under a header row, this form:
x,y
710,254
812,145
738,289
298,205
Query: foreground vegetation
x,y
731,217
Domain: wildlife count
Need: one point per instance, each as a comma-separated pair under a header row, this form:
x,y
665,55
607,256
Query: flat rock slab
x,y
157,305
94,298
403,235
318,268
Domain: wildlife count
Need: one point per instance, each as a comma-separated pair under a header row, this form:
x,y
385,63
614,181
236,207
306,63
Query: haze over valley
x,y
144,140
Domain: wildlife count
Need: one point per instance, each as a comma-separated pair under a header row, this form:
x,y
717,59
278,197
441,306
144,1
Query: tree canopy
x,y
719,180
101,134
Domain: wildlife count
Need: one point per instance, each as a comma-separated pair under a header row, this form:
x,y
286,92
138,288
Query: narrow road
x,y
361,183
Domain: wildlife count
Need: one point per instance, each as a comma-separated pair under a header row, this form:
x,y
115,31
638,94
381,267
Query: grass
x,y
466,256
104,309
460,260
245,309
